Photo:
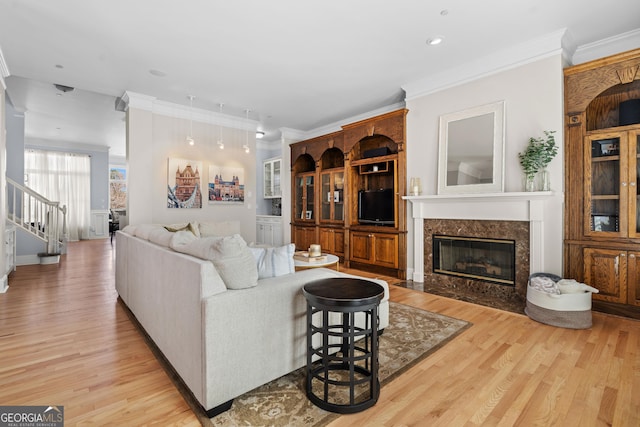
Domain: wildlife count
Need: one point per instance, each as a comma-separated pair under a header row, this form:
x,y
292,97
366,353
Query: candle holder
x,y
415,188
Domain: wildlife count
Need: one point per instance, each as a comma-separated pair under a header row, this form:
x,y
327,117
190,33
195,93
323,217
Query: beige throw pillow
x,y
231,257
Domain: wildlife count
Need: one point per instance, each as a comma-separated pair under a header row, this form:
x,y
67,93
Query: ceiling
x,y
294,64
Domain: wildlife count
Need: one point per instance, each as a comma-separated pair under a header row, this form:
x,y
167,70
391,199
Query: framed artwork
x,y
184,185
604,222
226,185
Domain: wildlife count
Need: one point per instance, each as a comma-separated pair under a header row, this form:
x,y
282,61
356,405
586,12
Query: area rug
x,y
412,335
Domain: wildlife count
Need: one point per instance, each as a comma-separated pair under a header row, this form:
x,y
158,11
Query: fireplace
x,y
468,279
487,259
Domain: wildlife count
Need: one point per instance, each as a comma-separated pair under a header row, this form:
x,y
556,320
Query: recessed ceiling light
x,y
259,134
59,66
444,12
435,40
157,73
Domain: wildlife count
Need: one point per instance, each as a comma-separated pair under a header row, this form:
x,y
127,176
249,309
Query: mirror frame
x,y
497,184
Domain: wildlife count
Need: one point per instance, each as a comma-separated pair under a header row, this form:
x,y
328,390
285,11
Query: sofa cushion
x,y
273,262
143,230
222,228
181,238
160,237
229,254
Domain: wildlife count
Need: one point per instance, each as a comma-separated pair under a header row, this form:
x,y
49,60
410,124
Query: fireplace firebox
x,y
490,260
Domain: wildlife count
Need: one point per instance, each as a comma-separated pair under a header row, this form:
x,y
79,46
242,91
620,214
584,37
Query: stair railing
x,y
38,216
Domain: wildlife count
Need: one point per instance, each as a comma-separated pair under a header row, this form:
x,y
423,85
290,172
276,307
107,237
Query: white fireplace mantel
x,y
508,206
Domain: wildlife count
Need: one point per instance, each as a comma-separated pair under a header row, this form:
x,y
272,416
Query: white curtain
x,y
64,178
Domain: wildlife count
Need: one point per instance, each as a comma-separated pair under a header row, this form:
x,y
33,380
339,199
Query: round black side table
x,y
342,358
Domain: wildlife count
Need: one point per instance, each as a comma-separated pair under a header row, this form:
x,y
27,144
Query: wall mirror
x,y
471,150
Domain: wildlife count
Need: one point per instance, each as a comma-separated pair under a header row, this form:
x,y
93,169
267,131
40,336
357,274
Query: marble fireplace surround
x,y
508,206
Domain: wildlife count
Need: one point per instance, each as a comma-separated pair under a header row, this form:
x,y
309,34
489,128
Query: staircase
x,y
38,216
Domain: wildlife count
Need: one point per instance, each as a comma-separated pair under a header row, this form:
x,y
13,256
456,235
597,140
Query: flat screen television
x,y
376,207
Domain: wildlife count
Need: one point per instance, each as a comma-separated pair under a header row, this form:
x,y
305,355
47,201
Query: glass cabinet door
x,y
309,196
304,197
605,172
326,193
332,196
299,197
634,187
271,171
277,192
268,180
338,196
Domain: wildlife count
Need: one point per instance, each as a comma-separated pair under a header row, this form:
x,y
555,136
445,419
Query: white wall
x,y
3,182
153,138
533,95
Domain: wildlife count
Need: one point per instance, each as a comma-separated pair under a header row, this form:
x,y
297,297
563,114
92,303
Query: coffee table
x,y
342,369
332,261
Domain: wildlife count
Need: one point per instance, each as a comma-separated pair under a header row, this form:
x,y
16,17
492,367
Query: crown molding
x,y
170,109
606,47
62,145
4,70
515,56
337,126
292,135
137,101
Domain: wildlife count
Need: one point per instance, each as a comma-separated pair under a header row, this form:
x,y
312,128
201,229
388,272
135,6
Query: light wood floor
x,y
65,340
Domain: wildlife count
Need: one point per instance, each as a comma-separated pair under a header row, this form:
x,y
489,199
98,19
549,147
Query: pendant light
x,y
190,140
246,137
220,142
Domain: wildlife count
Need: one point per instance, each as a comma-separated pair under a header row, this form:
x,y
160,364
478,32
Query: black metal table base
x,y
342,371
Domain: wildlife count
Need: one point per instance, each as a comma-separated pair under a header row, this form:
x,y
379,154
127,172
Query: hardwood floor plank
x,y
65,339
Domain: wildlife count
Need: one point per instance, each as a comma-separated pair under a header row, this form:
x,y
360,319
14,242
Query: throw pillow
x,y
191,226
160,237
181,238
231,257
274,262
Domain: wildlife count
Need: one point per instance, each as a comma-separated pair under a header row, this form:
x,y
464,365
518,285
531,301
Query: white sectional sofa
x,y
222,342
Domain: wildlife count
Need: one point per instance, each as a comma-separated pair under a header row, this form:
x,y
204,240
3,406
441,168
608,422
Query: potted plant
x,y
536,157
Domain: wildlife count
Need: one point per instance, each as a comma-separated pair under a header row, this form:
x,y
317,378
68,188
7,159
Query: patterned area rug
x,y
412,335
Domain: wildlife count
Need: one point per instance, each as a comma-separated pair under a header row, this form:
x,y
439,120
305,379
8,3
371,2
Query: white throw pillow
x,y
181,238
231,257
160,237
273,262
143,230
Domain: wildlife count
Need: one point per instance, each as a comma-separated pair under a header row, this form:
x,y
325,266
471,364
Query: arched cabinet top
x,y
585,82
390,125
315,147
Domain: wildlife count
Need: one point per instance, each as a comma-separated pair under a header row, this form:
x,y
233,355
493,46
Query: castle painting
x,y
184,188
226,185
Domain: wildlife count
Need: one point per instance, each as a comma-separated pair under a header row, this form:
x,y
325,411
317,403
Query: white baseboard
x,y
27,259
4,284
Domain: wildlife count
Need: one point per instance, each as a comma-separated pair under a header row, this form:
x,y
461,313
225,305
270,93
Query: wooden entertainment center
x,y
602,192
329,171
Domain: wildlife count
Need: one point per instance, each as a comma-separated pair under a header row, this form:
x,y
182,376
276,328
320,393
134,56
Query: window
x,y
64,178
118,187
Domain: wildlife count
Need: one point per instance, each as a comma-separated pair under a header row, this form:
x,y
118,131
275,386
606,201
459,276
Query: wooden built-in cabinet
x,y
377,248
332,240
304,236
367,155
602,214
